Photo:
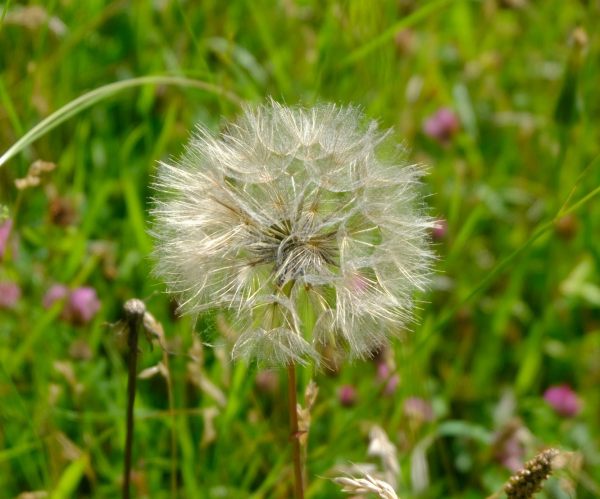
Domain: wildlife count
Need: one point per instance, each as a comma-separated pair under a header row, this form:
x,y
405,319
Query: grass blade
x,y
389,33
90,98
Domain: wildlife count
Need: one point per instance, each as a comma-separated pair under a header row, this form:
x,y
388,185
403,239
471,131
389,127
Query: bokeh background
x,y
499,98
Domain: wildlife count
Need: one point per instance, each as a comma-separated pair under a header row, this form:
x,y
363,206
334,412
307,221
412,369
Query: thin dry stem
x,y
134,313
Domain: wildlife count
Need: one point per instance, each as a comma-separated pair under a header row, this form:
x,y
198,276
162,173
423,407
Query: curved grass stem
x,y
101,93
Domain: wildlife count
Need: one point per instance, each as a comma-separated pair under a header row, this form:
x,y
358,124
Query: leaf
x,y
69,480
101,93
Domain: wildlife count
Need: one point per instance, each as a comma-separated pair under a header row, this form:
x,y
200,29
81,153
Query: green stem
x,y
294,433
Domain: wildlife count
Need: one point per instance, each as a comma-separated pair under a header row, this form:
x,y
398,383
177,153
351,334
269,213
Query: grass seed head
x,y
528,481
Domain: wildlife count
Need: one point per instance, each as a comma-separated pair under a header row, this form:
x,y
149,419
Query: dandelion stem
x,y
294,433
134,312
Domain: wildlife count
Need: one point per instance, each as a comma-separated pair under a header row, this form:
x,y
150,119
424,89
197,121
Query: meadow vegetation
x,y
498,98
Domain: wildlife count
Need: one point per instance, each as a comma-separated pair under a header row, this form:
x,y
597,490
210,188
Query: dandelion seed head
x,y
291,207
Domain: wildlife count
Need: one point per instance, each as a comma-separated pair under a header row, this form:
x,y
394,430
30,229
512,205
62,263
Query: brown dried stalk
x,y
134,313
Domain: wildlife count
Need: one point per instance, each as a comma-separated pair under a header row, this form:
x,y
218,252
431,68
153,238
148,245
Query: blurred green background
x,y
499,98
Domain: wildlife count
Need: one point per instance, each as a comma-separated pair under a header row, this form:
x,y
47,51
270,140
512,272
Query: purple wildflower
x,y
10,293
442,125
267,381
439,230
55,293
5,229
83,304
563,400
391,385
347,395
511,454
418,408
383,371
386,376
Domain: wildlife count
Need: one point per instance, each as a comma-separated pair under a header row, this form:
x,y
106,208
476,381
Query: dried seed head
x,y
381,446
34,174
530,479
366,485
290,208
134,308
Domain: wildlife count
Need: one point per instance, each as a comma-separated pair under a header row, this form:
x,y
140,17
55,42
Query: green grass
x,y
514,307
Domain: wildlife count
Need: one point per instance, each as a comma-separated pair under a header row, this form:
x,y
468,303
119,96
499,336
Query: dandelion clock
x,y
306,223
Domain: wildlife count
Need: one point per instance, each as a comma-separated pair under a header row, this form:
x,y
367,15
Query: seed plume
x,y
294,207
